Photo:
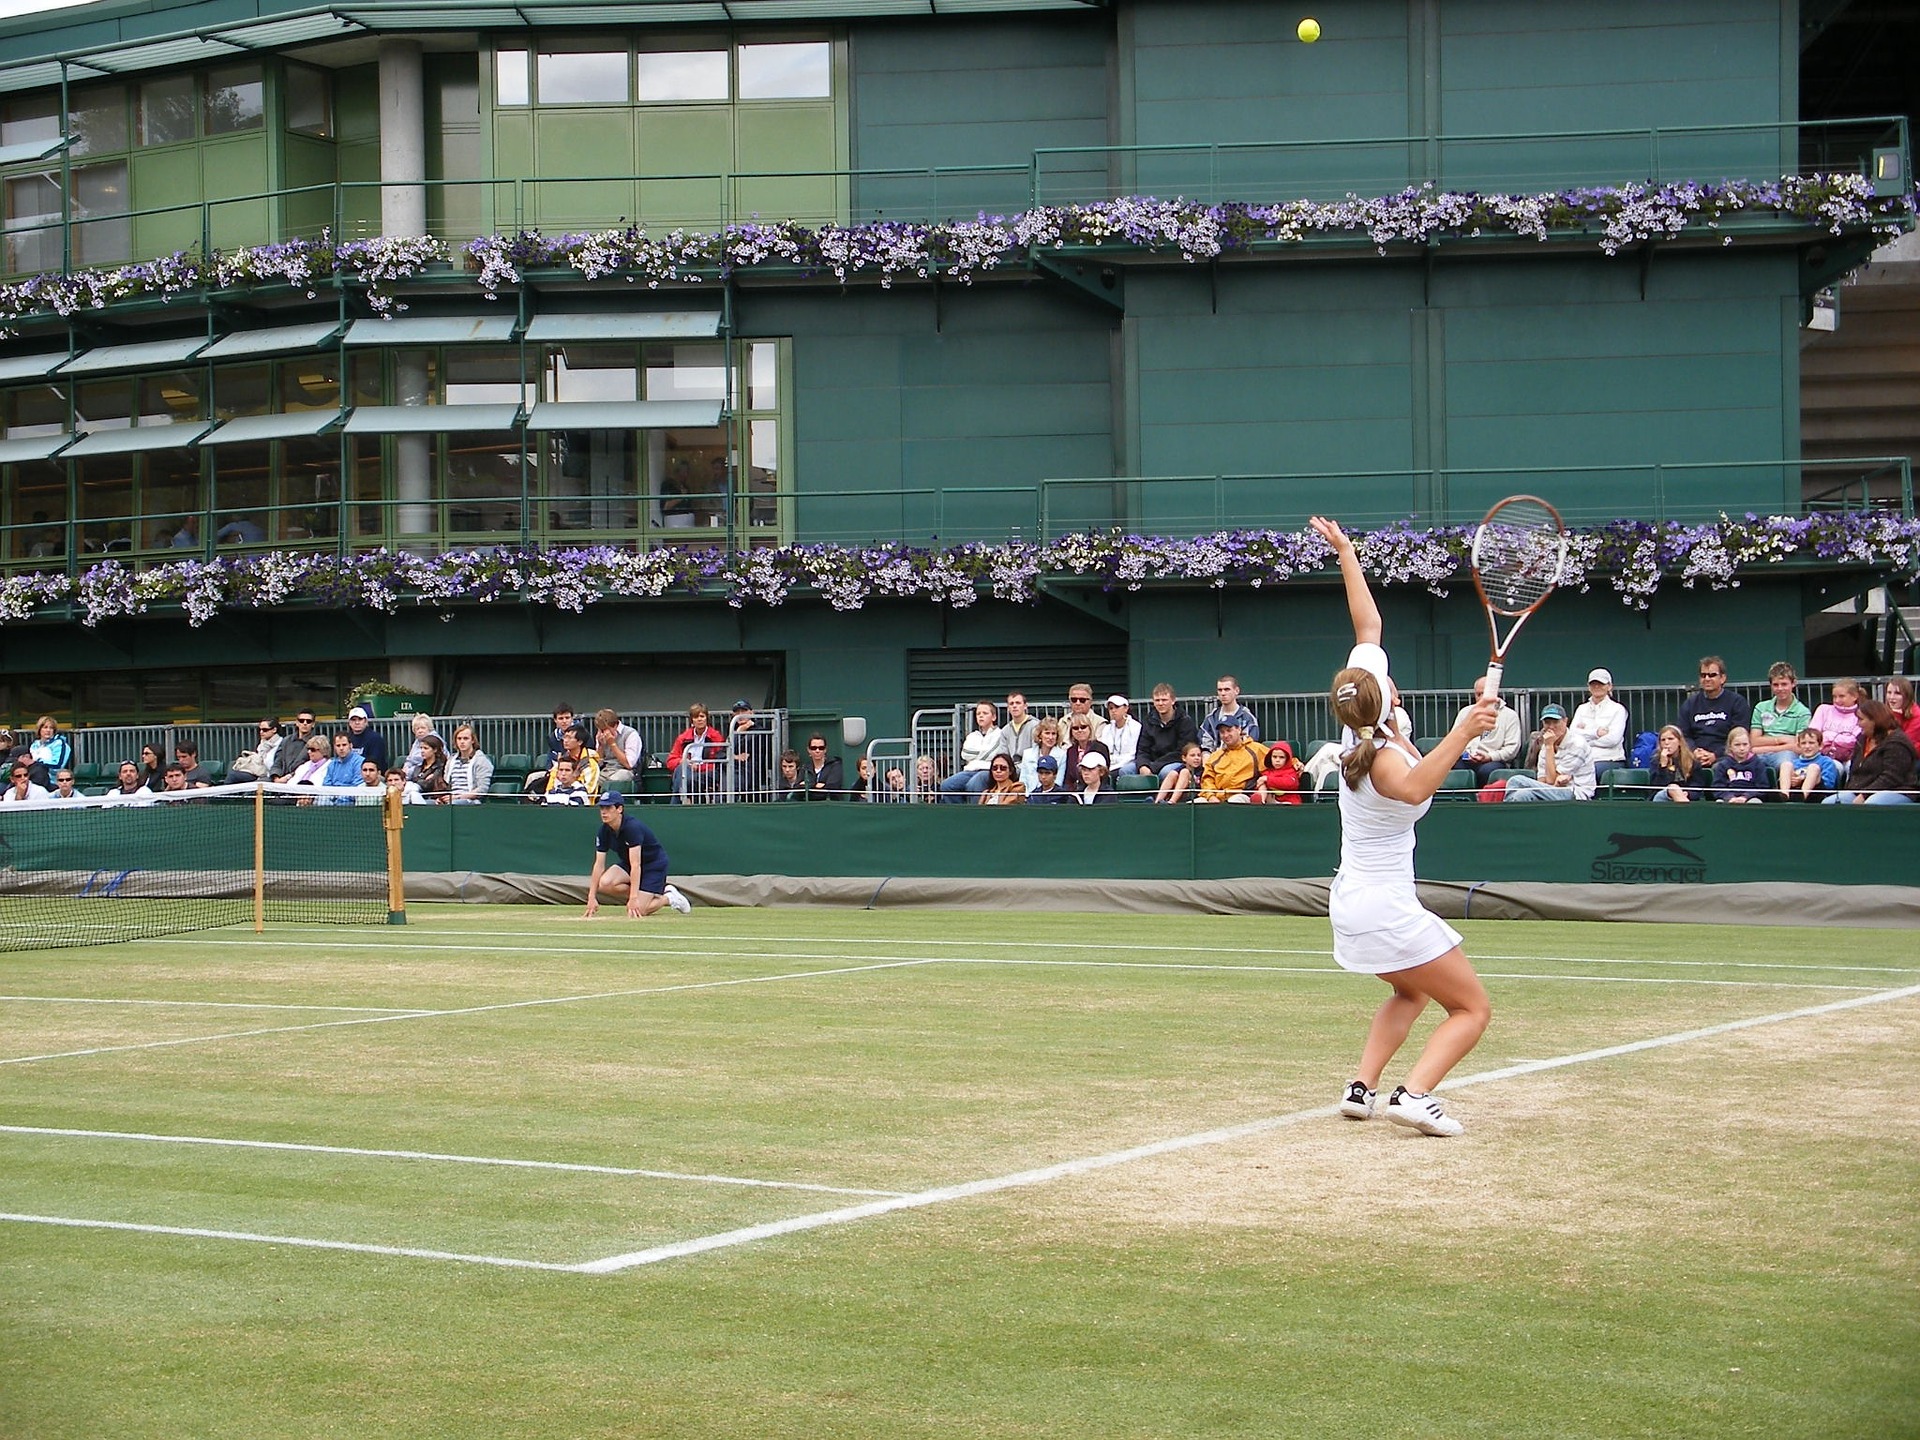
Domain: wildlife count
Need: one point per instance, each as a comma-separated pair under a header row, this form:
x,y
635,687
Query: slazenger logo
x,y
1630,864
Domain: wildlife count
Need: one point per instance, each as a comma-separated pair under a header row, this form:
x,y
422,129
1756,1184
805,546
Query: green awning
x,y
32,447
433,330
648,325
31,367
31,150
430,419
133,441
281,340
272,427
630,415
134,357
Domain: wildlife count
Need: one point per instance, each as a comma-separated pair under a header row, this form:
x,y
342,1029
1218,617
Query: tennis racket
x,y
1519,552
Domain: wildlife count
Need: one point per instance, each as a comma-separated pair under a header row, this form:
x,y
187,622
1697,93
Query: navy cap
x,y
1553,712
743,704
1046,762
612,797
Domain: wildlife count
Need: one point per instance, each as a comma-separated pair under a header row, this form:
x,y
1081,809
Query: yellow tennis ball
x,y
1309,30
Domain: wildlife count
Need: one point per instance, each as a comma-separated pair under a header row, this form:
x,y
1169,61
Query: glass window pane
x,y
35,410
685,372
309,490
104,405
310,383
237,691
786,72
606,373
482,478
165,110
236,99
583,77
241,490
106,503
170,496
240,390
510,77
309,102
98,120
369,516
763,375
33,223
30,117
588,481
482,378
101,190
688,469
169,398
763,472
39,510
667,76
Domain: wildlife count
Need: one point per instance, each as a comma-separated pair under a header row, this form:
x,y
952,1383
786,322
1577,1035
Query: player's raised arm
x,y
1360,606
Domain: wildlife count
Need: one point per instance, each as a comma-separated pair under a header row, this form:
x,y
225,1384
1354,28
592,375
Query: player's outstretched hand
x,y
633,903
593,904
1330,531
1480,717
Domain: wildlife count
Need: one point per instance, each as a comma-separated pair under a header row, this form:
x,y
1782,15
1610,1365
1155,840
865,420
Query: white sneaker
x,y
1422,1113
1358,1104
677,900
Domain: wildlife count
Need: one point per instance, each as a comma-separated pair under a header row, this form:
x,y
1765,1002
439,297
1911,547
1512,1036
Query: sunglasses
x,y
1710,674
816,747
1000,769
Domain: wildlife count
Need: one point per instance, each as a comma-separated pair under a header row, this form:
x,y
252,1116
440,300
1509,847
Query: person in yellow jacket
x,y
1232,769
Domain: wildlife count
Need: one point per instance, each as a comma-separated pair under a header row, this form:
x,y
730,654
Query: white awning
x,y
430,419
143,437
433,330
31,367
281,340
134,357
646,325
32,447
628,415
272,427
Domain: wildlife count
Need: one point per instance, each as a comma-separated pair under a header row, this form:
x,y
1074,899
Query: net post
x,y
259,859
392,820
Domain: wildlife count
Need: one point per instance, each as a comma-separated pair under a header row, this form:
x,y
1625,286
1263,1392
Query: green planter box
x,y
385,707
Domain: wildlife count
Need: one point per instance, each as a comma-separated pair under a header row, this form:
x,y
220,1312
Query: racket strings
x,y
1517,565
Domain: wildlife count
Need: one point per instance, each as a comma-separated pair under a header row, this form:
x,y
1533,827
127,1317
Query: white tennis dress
x,y
1379,924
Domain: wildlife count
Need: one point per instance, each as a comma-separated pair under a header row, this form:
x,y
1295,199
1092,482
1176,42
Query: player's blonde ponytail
x,y
1357,704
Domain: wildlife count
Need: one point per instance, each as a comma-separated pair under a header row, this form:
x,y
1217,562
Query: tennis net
x,y
98,872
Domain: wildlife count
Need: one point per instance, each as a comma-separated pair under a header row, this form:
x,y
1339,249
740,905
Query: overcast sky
x,y
32,7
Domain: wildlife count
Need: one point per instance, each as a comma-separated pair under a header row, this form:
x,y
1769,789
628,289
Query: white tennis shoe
x,y
1422,1113
677,900
1358,1104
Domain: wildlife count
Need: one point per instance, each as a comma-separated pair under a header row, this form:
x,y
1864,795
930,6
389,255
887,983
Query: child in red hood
x,y
1279,782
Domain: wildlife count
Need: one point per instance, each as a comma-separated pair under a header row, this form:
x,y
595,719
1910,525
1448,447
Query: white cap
x,y
1117,700
1600,673
1092,761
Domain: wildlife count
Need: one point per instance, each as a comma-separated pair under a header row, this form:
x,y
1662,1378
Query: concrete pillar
x,y
412,454
403,140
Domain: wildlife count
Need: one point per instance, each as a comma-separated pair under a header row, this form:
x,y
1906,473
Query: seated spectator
x,y
1883,762
398,784
373,785
173,781
926,778
1807,771
1165,732
822,777
1003,786
422,726
1711,711
63,791
1898,697
1120,734
1740,777
1081,742
469,771
1079,707
1838,721
862,786
1603,720
343,769
1233,771
12,748
1047,741
312,770
48,751
20,787
895,790
188,754
750,744
1019,725
1279,782
131,789
1674,774
262,761
583,771
153,769
1046,789
691,761
431,777
1183,783
564,787
563,725
1779,719
977,750
1566,764
293,746
1226,691
788,787
368,742
1497,748
1093,788
618,747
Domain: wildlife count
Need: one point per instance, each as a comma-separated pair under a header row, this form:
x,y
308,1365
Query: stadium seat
x,y
514,768
88,773
503,787
1459,782
1426,745
1623,782
1148,783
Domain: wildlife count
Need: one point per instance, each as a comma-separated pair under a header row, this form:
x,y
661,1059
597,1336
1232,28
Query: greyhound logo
x,y
1624,845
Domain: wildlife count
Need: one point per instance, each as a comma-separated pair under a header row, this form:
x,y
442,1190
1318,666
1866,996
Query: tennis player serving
x,y
1379,925
630,864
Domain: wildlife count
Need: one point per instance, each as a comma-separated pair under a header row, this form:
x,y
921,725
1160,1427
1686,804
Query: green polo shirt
x,y
1768,719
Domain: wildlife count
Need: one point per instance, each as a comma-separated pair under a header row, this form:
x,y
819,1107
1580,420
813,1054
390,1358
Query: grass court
x,y
805,1173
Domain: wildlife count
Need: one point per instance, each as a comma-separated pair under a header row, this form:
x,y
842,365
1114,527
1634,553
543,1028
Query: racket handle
x,y
1494,671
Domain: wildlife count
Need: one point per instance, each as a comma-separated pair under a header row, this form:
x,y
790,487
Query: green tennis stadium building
x,y
293,285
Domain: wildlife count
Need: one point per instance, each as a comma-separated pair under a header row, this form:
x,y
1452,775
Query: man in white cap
x,y
1093,789
369,742
629,864
1120,734
1603,720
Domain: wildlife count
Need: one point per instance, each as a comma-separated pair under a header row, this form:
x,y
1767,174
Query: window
x,y
165,110
582,77
786,72
103,405
38,491
236,100
669,76
98,120
101,190
26,118
240,390
309,102
33,223
35,410
510,77
605,373
685,372
485,378
169,398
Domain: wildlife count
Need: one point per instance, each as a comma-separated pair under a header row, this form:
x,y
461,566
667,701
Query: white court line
x,y
465,1010
613,1264
1331,971
209,1004
455,938
563,1165
1042,1175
